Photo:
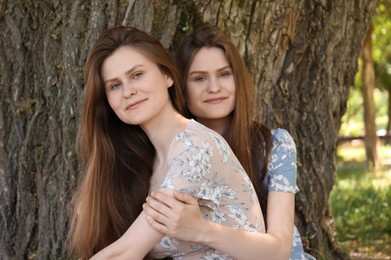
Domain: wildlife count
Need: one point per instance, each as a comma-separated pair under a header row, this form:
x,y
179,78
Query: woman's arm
x,y
180,217
137,241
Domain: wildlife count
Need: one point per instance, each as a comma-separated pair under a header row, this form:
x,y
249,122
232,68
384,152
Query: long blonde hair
x,y
116,158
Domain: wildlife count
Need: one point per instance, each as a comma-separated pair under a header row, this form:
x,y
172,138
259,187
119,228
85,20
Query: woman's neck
x,y
220,125
162,130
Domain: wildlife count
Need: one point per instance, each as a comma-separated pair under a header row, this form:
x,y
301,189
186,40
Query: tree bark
x,y
369,84
302,55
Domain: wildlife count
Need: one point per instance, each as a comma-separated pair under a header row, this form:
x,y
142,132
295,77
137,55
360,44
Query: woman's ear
x,y
169,81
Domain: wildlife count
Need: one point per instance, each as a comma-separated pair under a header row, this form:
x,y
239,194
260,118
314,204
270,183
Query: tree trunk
x,y
302,55
369,83
307,94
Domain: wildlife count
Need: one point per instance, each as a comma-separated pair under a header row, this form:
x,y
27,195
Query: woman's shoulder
x,y
282,139
198,136
194,130
281,135
201,132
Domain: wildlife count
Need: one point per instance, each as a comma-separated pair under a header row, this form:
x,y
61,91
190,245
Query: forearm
x,y
131,245
117,251
242,244
183,220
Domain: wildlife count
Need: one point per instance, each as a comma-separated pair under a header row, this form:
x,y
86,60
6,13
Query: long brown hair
x,y
253,146
116,158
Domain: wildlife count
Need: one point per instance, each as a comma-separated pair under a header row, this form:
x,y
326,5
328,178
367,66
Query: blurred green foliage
x,y
360,199
352,121
360,203
381,39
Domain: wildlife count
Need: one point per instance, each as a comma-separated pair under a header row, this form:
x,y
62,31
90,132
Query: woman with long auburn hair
x,y
133,139
208,61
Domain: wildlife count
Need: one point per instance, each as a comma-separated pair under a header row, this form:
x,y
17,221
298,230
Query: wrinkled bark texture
x,y
302,55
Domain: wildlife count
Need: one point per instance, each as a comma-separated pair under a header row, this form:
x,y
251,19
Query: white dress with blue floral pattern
x,y
202,164
281,177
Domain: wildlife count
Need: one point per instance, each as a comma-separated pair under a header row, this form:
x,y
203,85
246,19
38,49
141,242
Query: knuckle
x,y
158,218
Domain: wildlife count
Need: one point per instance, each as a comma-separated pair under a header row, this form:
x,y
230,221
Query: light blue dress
x,y
281,177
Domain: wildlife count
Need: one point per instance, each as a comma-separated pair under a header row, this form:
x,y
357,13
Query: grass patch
x,y
360,202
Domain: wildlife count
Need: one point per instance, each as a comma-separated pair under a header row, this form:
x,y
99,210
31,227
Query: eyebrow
x,y
202,71
130,71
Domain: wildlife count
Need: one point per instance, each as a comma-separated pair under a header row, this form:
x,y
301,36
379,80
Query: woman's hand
x,y
178,217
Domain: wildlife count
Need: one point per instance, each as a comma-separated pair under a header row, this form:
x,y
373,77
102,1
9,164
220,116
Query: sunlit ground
x,y
360,201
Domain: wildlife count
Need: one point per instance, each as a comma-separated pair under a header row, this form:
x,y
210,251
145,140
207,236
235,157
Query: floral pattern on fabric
x,y
281,177
202,164
281,169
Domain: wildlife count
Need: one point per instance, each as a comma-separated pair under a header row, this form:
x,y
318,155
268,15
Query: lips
x,y
135,104
214,100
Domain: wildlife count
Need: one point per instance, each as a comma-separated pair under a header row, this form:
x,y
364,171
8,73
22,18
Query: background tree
x,y
302,55
367,88
382,54
353,122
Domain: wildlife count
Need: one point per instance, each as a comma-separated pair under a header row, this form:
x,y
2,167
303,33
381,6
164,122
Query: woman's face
x,y
135,87
210,85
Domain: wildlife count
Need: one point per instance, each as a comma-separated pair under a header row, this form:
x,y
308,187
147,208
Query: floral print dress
x,y
202,164
281,177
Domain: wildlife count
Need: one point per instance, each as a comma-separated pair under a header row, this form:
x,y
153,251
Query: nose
x,y
213,85
128,90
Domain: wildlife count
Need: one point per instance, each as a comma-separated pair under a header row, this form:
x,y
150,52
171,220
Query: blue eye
x,y
200,78
225,74
115,85
137,75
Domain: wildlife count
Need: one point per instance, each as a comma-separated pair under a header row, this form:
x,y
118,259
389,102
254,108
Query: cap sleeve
x,y
282,168
196,159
